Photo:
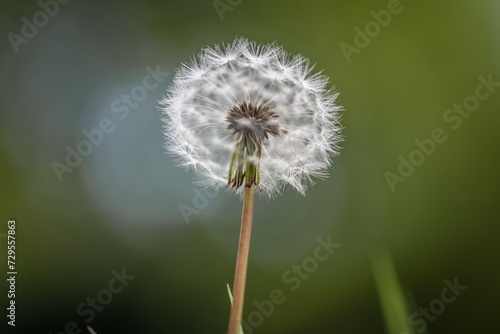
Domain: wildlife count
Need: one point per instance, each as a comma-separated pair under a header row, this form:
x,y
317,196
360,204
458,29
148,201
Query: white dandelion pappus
x,y
245,114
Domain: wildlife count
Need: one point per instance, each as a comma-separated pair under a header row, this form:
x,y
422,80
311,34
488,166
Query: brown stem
x,y
240,274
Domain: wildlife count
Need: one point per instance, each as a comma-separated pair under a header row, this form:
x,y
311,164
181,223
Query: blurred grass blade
x,y
392,300
231,300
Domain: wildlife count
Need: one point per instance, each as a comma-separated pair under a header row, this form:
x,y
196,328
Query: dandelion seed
x,y
246,114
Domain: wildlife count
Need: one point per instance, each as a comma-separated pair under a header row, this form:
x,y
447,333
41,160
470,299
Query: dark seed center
x,y
257,120
251,125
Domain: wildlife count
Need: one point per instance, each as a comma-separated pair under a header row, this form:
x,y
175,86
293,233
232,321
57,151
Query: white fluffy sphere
x,y
212,124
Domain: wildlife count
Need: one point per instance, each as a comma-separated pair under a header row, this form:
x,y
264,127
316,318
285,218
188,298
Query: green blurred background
x,y
119,208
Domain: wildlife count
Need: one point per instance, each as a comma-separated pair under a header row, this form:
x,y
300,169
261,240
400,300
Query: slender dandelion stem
x,y
240,274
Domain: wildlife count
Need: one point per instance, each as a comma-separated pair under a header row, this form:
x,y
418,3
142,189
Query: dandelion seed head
x,y
245,114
